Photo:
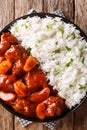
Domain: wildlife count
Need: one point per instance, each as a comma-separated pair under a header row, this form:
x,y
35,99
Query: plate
x,y
67,111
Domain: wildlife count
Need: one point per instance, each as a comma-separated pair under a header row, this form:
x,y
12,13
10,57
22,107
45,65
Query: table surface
x,y
75,10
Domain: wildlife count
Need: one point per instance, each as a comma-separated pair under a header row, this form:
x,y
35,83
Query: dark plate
x,y
67,111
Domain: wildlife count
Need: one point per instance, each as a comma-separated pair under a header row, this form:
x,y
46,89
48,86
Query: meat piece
x,y
6,83
18,67
15,53
53,106
35,80
24,107
40,96
6,40
3,47
8,97
2,58
21,89
6,36
56,105
19,58
5,66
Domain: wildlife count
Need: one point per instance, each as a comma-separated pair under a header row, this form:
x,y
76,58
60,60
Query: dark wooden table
x,y
75,10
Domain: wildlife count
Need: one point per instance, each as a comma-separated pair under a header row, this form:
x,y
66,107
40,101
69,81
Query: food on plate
x,y
23,85
5,66
40,96
30,63
21,89
6,41
8,97
43,67
48,107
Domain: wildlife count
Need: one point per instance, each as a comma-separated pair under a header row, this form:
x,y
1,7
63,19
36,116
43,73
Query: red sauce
x,y
23,85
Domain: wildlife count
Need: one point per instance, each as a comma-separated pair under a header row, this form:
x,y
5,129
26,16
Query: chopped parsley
x,y
68,48
58,63
49,27
57,51
61,30
83,60
56,71
26,26
55,21
28,20
69,63
28,50
81,52
71,85
16,29
82,87
56,42
38,41
73,35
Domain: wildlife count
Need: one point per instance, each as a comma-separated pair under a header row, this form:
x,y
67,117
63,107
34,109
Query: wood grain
x,y
6,12
80,122
66,6
80,119
81,14
6,119
6,16
66,123
23,6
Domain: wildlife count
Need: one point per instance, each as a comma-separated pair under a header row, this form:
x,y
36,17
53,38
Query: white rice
x,y
61,51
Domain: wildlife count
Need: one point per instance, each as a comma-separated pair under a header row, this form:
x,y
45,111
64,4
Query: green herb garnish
x,y
58,63
73,35
56,42
69,63
61,30
81,52
83,60
26,26
82,87
28,20
57,51
55,21
56,71
38,41
49,27
71,85
16,29
68,49
28,50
